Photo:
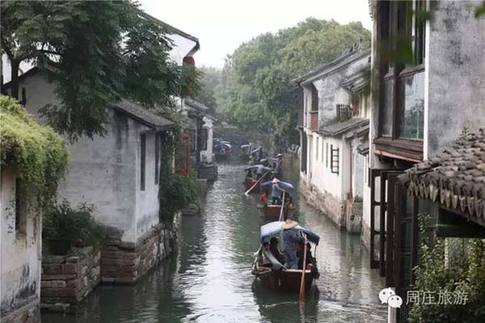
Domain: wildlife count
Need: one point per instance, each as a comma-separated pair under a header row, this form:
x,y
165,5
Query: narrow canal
x,y
209,278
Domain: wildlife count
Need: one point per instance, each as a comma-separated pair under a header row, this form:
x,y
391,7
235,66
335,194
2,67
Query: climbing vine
x,y
36,152
175,191
454,266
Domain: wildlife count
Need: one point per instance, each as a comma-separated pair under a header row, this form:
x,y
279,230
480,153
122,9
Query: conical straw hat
x,y
289,224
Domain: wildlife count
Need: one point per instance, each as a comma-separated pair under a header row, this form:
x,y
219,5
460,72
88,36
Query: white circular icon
x,y
385,294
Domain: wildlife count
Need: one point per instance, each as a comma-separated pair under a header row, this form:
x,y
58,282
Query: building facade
x,y
421,102
335,113
21,253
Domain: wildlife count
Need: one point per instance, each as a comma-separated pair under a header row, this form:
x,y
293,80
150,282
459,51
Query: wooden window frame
x,y
394,16
334,160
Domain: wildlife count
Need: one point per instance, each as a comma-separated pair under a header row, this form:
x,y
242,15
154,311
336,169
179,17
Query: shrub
x,y
65,223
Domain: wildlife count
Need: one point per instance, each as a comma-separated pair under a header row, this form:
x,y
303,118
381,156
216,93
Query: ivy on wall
x,y
36,152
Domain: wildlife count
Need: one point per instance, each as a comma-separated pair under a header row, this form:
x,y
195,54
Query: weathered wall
x,y
330,92
105,171
147,204
208,154
125,262
20,258
455,68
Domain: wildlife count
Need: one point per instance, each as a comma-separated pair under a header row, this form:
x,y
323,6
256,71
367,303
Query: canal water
x,y
209,279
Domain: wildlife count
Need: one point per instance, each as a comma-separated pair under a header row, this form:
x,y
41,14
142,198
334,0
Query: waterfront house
x,y
32,157
421,102
118,173
334,129
20,265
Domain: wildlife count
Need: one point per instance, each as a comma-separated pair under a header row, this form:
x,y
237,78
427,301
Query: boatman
x,y
275,192
291,240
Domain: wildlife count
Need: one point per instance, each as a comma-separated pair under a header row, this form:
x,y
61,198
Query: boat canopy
x,y
283,186
272,229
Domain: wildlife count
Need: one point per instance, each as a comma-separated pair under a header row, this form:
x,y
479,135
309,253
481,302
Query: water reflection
x,y
209,279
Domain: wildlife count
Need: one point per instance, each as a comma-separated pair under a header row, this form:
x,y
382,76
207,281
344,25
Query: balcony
x,y
314,120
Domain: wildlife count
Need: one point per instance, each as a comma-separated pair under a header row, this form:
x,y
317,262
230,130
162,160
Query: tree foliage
x,y
96,52
257,92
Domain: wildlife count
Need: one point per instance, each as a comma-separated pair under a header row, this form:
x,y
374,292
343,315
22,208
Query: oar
x,y
302,283
259,180
281,217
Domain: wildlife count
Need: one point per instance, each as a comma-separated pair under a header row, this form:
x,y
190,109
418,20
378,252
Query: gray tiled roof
x,y
141,114
196,105
339,128
455,177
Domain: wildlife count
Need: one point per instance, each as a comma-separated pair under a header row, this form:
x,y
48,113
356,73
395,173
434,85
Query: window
x,y
314,98
402,25
344,112
194,140
157,158
334,160
142,160
203,134
355,104
326,154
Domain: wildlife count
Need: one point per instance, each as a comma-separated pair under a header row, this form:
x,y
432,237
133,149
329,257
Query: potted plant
x,y
64,227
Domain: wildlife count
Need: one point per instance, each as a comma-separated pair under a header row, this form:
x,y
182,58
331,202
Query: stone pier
x,y
125,262
67,280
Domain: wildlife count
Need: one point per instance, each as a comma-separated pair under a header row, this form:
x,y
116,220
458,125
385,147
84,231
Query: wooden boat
x,y
271,272
286,280
249,182
272,212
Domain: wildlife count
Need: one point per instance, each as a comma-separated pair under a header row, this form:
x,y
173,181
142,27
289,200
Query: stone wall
x,y
28,313
324,202
125,262
67,280
347,215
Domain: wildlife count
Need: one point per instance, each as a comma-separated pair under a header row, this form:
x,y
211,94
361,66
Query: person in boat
x,y
291,240
288,200
275,192
273,247
311,262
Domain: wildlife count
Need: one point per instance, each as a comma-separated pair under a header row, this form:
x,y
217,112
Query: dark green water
x,y
209,278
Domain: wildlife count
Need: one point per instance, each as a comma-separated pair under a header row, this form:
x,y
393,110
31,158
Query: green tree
x,y
257,92
95,51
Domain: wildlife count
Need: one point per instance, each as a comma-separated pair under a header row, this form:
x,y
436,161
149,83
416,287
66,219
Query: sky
x,y
221,26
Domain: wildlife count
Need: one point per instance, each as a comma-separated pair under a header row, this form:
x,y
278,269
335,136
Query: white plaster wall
x,y
322,177
147,203
455,67
182,46
104,171
20,262
208,154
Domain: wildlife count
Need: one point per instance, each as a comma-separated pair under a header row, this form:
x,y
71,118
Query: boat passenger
x,y
275,192
273,247
291,239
